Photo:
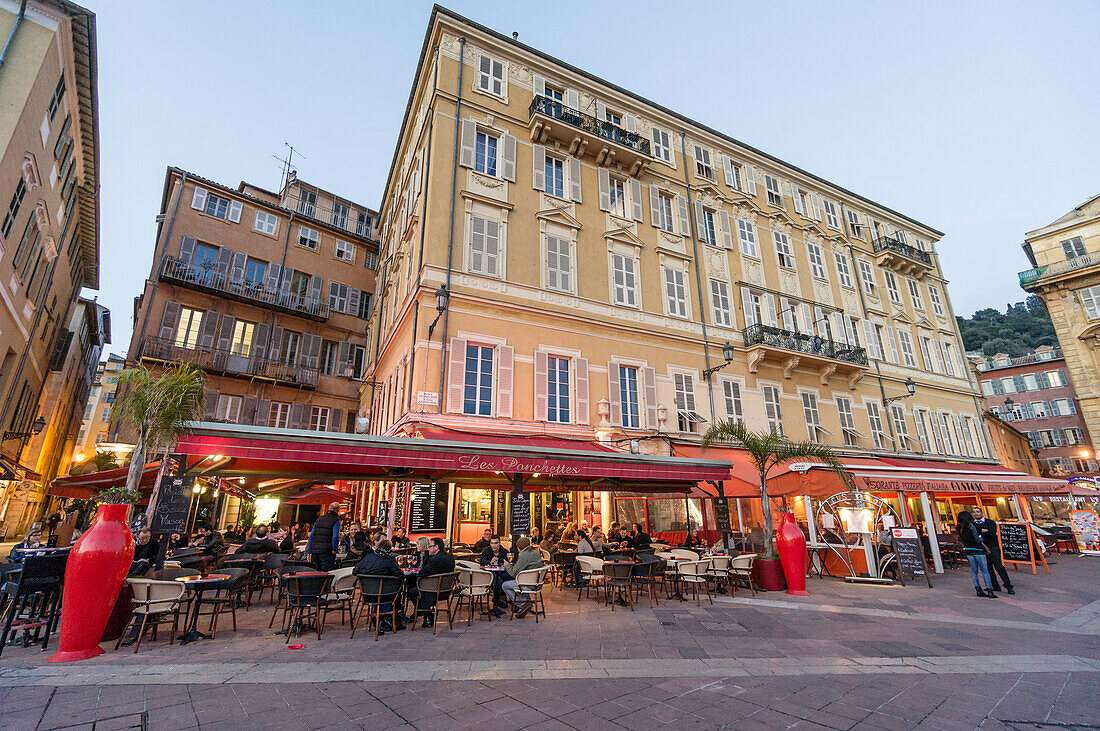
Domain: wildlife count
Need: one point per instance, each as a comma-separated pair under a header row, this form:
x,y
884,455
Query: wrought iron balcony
x,y
230,364
1032,276
902,256
184,273
583,130
790,349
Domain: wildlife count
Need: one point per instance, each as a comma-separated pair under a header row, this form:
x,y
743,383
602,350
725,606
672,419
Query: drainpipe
x,y
14,29
423,228
451,232
698,277
863,306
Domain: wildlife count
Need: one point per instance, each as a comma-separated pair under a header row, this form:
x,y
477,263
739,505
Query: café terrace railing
x,y
1031,276
224,361
807,344
601,128
889,243
179,271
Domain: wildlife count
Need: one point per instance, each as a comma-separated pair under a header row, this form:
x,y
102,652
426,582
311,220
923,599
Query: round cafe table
x,y
197,586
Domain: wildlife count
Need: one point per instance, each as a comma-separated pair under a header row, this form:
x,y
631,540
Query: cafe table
x,y
196,586
676,593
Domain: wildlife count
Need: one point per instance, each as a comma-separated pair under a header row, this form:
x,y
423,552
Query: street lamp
x,y
442,298
727,353
36,429
910,386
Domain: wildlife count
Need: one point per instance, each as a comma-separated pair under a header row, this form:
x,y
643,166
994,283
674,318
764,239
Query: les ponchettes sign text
x,y
512,464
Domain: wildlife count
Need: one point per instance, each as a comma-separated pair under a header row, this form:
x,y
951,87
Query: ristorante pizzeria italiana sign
x,y
911,484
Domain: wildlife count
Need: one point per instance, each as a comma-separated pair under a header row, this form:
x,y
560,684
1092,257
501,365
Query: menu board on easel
x,y
909,552
519,514
427,512
173,506
1018,546
722,515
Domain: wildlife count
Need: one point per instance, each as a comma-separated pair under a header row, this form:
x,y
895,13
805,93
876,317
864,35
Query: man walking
x,y
988,530
325,538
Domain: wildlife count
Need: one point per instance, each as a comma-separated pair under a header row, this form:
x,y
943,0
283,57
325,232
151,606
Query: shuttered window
x,y
559,268
746,234
773,412
847,421
485,153
914,294
731,393
675,293
874,416
720,300
1090,298
775,195
617,197
241,344
703,168
907,348
308,237
901,429
484,246
345,251
813,418
664,212
279,415
266,222
623,280
319,418
628,397
557,390
783,250
830,215
867,274
555,176
817,261
228,409
490,77
187,330
477,396
892,287
662,149
842,270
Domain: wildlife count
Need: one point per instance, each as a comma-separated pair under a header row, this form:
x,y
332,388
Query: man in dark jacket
x,y
639,539
437,562
325,538
496,555
259,543
483,542
988,530
380,562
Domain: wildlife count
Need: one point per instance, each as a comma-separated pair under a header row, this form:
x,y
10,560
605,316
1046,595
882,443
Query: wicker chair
x,y
474,587
440,586
719,571
618,580
684,553
340,594
155,603
741,570
647,573
529,586
171,574
225,595
694,574
591,569
303,598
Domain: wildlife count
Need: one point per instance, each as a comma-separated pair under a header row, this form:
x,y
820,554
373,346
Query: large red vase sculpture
x,y
791,544
97,566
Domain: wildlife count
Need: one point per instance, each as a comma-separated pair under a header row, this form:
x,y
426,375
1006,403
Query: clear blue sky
x,y
979,119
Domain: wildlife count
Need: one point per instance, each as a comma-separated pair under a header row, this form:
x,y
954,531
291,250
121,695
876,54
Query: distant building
x,y
1035,394
101,405
49,227
1012,446
1066,257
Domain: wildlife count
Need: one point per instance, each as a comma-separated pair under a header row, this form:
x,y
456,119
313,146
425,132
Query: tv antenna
x,y
287,163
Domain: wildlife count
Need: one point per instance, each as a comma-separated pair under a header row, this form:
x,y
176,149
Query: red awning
x,y
491,462
743,479
535,441
86,486
319,496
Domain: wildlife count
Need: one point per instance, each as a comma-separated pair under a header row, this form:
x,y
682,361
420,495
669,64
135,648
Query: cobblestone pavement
x,y
848,656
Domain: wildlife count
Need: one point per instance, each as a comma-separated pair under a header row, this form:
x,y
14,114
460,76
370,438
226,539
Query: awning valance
x,y
86,486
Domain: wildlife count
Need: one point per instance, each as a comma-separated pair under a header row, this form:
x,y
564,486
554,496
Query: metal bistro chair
x,y
741,570
376,592
617,583
155,603
591,569
529,585
269,575
251,563
303,597
441,586
283,572
562,564
694,574
647,573
474,587
225,593
32,602
340,594
172,573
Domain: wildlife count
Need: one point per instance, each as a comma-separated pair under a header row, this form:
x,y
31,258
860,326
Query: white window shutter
x,y
601,110
821,322
509,166
235,208
505,371
583,417
613,394
798,207
807,324
840,335
198,200
630,122
750,180
727,233
538,85
746,304
538,167
815,200
787,313
649,377
654,205
237,267
685,222
456,376
871,340
575,179
636,199
187,249
699,227
541,367
271,283
605,189
572,99
769,305
727,166
468,143
892,345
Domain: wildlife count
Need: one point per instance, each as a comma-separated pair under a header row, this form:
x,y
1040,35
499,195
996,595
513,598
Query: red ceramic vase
x,y
97,566
792,554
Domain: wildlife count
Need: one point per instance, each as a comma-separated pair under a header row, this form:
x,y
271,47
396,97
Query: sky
x,y
977,119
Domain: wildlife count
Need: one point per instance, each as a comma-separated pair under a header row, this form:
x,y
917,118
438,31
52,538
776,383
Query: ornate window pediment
x,y
30,172
560,217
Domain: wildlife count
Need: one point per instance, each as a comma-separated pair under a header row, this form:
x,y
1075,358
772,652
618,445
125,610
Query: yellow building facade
x,y
563,257
1066,275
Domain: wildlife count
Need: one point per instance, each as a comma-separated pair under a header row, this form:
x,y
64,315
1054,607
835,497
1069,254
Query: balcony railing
x,y
888,243
601,128
233,364
176,270
1031,276
806,344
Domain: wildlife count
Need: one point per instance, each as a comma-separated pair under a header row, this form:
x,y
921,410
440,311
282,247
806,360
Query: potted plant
x,y
96,568
768,451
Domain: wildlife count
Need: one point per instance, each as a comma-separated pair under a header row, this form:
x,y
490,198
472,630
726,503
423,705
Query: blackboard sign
x,y
399,505
1016,543
909,553
722,515
520,514
427,509
500,512
173,506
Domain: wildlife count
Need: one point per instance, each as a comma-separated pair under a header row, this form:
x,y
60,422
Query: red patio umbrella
x,y
319,496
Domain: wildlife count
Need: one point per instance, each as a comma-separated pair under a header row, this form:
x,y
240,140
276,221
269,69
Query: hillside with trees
x,y
1020,329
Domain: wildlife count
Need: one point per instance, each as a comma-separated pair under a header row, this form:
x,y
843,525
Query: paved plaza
x,y
845,657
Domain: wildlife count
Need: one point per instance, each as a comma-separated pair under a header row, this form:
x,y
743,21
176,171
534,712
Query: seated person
x,y
692,540
597,540
483,542
527,558
494,554
145,553
380,562
346,539
360,546
584,544
638,537
437,562
615,535
259,543
400,540
31,541
536,536
569,535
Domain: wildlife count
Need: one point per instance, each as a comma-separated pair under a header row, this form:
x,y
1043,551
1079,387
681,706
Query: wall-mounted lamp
x,y
910,386
727,353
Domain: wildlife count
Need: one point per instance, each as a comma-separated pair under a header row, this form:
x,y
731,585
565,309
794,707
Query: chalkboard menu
x,y
722,515
427,509
1015,542
500,512
173,505
520,514
909,552
399,504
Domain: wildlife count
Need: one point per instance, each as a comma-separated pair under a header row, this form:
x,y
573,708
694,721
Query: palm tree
x,y
157,407
101,461
768,451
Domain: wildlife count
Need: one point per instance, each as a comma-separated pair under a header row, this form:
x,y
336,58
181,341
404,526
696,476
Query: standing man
x,y
325,538
988,530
